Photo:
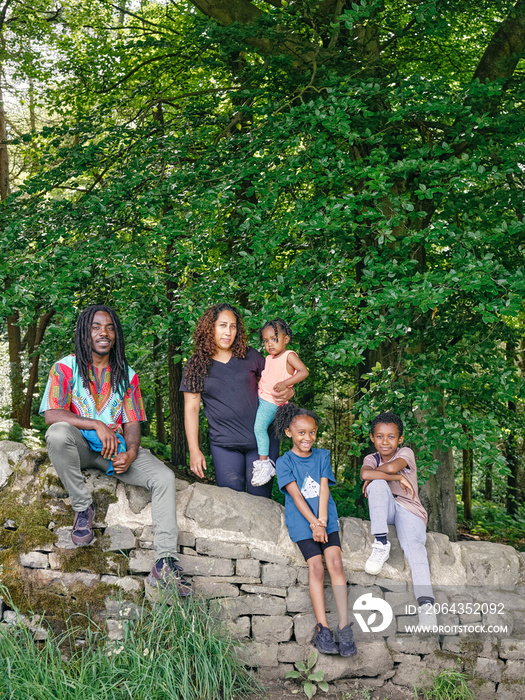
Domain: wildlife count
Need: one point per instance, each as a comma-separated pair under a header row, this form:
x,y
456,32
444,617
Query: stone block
x,y
185,539
510,690
298,600
278,575
304,627
120,513
272,673
121,609
127,583
146,537
514,670
412,645
483,689
291,652
272,558
263,590
258,654
231,608
372,659
412,671
141,561
469,647
490,564
272,629
55,560
512,649
303,577
489,669
10,454
239,628
209,588
138,497
228,550
248,567
60,582
64,540
35,560
118,538
188,550
213,508
206,566
115,630
446,564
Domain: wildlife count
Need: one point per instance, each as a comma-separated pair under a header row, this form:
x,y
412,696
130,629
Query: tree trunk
x,y
176,402
34,359
15,367
439,496
511,501
159,399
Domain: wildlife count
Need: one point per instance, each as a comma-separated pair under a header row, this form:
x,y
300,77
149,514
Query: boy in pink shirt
x,y
282,369
390,476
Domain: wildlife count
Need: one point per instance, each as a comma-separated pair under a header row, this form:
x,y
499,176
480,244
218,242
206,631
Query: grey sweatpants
x,y
69,454
411,532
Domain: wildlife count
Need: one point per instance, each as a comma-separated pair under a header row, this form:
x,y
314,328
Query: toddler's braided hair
x,y
276,324
285,416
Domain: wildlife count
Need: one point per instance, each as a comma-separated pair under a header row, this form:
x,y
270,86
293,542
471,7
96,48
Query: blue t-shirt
x,y
307,472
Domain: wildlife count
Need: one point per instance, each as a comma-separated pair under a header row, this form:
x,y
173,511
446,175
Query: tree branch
x,y
505,48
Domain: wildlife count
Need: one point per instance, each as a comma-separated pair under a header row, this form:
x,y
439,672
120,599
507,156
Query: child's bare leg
x,y
334,564
315,584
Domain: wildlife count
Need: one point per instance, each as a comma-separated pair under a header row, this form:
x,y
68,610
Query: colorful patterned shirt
x,y
65,390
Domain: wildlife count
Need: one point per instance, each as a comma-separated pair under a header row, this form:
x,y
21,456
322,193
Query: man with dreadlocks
x,y
93,406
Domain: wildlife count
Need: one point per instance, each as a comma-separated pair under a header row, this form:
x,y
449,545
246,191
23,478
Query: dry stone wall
x,y
235,549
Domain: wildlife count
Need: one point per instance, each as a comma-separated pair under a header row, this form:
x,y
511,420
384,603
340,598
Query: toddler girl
x,y
303,475
282,369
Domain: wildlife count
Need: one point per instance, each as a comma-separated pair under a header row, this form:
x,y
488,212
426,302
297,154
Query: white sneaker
x,y
263,470
380,553
427,616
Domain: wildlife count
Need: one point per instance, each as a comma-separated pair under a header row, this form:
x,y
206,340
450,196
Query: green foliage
x,y
449,684
491,522
172,652
309,679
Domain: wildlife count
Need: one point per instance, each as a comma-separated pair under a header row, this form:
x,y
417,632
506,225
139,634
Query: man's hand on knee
x,y
123,461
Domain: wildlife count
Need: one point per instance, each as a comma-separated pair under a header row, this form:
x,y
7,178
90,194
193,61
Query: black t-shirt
x,y
230,399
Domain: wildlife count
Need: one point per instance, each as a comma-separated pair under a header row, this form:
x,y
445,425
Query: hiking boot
x,y
380,553
345,637
167,574
82,532
324,640
427,617
263,470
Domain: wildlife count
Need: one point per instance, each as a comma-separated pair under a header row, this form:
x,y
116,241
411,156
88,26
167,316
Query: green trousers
x,y
69,454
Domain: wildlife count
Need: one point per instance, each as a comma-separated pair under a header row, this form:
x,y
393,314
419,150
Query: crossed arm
x,y
389,471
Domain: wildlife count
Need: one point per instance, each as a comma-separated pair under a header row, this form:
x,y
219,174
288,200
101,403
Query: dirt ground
x,y
358,689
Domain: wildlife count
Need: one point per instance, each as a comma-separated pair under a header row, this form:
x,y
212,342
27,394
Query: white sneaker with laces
x,y
427,616
380,553
263,470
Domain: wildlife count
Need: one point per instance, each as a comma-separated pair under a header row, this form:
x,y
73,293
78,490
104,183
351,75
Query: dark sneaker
x,y
345,638
324,640
168,574
82,532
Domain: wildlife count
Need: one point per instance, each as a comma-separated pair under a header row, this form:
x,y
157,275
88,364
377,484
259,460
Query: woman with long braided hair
x,y
223,372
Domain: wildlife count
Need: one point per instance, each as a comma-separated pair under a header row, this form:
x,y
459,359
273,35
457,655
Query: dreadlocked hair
x,y
285,416
276,324
387,417
204,347
118,364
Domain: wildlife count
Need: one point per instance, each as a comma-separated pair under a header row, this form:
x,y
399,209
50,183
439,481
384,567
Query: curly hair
x,y
204,348
387,417
286,414
276,324
118,364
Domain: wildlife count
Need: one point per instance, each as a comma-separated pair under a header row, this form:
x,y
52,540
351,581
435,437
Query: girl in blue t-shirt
x,y
303,474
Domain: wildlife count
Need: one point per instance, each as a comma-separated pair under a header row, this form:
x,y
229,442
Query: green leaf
x,y
309,690
317,676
